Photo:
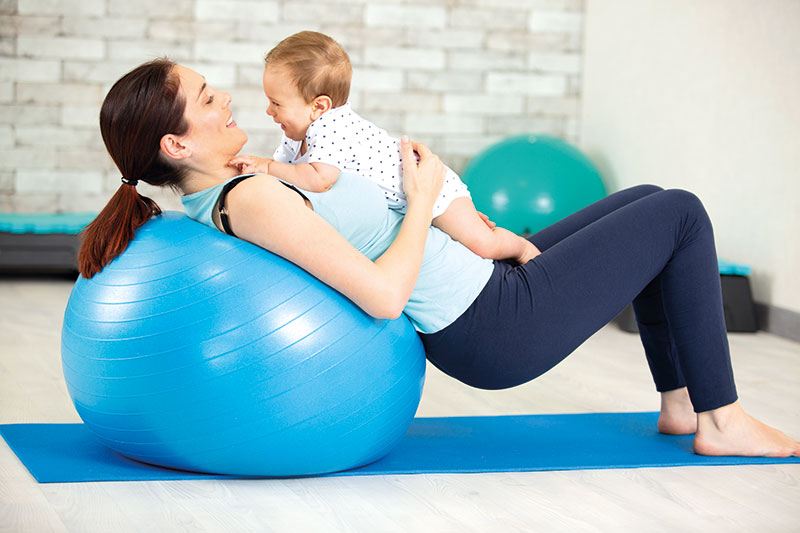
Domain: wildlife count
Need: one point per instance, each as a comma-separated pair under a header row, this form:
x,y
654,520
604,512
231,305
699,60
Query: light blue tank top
x,y
451,276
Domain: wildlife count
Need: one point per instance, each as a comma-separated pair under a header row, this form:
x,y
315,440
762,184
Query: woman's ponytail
x,y
109,233
142,107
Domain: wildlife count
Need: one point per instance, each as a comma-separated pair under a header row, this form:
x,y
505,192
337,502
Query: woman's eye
x,y
210,99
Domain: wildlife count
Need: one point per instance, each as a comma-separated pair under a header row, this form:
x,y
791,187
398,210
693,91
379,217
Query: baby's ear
x,y
320,105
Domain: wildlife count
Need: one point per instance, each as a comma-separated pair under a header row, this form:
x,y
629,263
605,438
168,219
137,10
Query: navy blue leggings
x,y
651,246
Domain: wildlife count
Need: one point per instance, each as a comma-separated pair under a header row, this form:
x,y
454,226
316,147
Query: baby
x,y
307,82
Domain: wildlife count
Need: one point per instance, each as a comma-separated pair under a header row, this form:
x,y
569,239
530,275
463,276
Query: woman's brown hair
x,y
142,107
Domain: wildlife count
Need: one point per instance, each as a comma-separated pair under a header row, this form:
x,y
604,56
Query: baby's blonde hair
x,y
317,65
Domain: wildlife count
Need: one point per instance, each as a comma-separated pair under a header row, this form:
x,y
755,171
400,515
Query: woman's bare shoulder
x,y
259,201
263,190
259,182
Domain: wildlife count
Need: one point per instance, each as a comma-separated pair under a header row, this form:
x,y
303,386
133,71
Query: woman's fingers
x,y
423,179
409,165
409,158
422,149
425,154
407,150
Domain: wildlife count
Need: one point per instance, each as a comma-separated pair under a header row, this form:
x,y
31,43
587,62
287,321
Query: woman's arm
x,y
274,217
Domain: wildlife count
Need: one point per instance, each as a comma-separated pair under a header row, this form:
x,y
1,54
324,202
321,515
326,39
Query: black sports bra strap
x,y
223,211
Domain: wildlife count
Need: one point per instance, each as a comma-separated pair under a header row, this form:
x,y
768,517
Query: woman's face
x,y
212,130
287,106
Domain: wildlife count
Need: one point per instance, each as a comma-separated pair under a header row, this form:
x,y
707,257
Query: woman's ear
x,y
173,148
319,105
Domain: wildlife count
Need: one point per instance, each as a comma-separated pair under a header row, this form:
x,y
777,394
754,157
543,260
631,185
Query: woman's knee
x,y
685,199
688,204
647,189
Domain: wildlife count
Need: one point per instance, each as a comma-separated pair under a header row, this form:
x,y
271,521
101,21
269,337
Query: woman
x,y
490,325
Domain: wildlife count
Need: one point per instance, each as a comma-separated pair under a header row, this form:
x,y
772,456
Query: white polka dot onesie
x,y
352,144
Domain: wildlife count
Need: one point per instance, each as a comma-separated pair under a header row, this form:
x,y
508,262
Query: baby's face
x,y
286,106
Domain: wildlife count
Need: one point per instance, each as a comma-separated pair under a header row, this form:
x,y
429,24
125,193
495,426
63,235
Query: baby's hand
x,y
486,220
250,164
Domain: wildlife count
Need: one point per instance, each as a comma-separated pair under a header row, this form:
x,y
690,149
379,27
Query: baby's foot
x,y
529,251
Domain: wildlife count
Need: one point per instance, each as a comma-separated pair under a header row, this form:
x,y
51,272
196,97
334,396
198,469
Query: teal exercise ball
x,y
198,351
527,182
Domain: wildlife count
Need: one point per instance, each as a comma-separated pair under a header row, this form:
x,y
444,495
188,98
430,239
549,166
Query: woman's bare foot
x,y
730,431
677,414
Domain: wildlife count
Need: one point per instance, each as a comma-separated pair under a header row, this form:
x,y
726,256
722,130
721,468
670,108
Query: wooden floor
x,y
608,373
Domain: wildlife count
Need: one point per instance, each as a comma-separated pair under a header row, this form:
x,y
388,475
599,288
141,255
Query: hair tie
x,y
127,181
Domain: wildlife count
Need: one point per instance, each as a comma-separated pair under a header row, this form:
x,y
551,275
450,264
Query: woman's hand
x,y
250,164
422,181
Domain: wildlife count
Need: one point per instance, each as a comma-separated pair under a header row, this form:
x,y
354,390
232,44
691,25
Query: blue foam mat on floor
x,y
63,453
44,223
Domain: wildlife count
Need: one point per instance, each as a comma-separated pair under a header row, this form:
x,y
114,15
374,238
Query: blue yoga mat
x,y
63,453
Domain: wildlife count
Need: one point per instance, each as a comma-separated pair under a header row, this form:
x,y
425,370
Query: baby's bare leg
x,y
462,222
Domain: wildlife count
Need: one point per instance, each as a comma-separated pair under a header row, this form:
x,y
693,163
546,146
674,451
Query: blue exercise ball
x,y
528,182
199,351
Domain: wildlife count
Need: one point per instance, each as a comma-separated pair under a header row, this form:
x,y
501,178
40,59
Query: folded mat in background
x,y
61,453
41,242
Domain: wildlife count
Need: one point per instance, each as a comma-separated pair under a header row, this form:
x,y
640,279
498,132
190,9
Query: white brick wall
x,y
33,181
103,72
61,7
228,52
6,136
6,182
14,69
111,28
57,93
377,79
404,57
543,21
14,159
483,104
249,10
525,84
305,12
458,75
489,17
566,63
60,47
446,82
426,124
413,17
6,92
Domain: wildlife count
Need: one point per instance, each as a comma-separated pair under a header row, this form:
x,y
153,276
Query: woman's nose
x,y
227,98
